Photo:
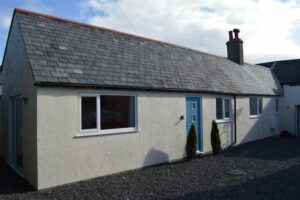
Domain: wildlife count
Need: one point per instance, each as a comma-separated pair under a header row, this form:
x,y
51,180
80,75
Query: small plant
x,y
191,143
215,138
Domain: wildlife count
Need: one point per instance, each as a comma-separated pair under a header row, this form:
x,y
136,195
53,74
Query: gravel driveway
x,y
270,170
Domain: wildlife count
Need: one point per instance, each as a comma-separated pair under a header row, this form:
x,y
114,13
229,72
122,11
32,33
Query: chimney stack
x,y
230,35
235,47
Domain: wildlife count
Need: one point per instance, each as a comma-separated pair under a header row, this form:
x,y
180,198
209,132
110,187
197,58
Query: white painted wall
x,y
250,129
64,158
289,102
226,129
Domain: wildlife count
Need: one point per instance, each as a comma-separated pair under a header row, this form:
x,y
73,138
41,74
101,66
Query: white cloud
x,y
266,25
5,21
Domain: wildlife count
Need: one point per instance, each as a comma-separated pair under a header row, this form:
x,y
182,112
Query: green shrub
x,y
191,141
215,138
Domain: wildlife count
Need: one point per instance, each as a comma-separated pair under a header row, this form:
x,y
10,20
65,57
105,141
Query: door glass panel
x,y
193,106
193,118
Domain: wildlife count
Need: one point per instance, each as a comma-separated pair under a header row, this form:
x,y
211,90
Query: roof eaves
x,y
293,83
76,85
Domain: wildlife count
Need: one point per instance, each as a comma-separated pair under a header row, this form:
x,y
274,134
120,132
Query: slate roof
x,y
67,53
287,71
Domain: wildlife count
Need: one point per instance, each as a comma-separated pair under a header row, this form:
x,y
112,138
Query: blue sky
x,y
62,8
270,28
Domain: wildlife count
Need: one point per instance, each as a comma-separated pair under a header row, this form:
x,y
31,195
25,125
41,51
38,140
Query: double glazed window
x,y
107,113
223,108
256,106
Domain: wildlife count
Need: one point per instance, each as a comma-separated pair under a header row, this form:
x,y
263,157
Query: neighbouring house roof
x,y
67,53
287,71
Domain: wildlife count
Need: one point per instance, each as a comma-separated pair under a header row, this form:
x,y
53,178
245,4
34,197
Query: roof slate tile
x,y
99,57
287,71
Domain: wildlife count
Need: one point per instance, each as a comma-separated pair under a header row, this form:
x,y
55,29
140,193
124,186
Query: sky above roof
x,y
270,29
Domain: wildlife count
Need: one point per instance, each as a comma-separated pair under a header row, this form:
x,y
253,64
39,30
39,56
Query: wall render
x,y
63,157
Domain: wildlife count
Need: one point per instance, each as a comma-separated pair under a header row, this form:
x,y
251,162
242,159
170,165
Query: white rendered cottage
x,y
81,101
288,74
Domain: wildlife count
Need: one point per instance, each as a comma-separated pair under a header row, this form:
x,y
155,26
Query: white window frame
x,y
257,107
225,119
98,131
86,131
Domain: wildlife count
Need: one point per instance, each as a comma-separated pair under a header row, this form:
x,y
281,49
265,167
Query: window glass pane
x,y
219,108
117,111
227,108
88,113
253,106
260,105
277,108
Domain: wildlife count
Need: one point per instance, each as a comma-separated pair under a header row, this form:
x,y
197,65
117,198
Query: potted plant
x,y
191,143
215,138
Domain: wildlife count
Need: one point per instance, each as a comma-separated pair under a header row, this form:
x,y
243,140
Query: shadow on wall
x,y
262,126
287,180
154,157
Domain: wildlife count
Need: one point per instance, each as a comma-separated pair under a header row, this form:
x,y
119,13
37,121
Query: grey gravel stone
x,y
235,172
272,166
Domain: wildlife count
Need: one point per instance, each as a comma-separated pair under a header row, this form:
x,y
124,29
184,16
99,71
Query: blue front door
x,y
193,113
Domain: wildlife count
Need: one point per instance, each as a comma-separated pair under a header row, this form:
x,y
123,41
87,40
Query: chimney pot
x,y
235,47
230,35
236,33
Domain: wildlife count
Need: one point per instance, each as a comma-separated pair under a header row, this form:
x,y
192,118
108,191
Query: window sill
x,y
220,121
106,132
255,116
